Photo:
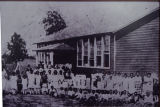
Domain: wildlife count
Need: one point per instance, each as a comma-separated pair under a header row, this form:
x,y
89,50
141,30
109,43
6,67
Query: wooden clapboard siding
x,y
139,49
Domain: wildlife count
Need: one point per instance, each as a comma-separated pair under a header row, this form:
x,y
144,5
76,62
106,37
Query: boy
x,y
19,84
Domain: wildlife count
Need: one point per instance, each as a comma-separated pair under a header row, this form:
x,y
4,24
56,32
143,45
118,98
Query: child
x,y
148,88
37,68
131,84
155,86
4,80
24,84
70,93
123,97
120,83
155,91
125,83
31,82
49,65
110,83
115,80
62,92
13,83
37,81
44,80
49,81
19,84
138,83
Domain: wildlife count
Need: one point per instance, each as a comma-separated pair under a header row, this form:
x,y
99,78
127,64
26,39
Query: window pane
x,y
98,60
99,45
91,62
92,52
79,46
79,62
80,50
79,53
85,60
86,47
106,43
98,41
106,60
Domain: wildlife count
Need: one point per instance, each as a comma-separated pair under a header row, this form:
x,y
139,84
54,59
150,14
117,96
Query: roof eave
x,y
76,37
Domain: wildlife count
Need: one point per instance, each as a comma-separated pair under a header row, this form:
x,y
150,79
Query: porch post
x,y
40,56
44,57
51,57
37,58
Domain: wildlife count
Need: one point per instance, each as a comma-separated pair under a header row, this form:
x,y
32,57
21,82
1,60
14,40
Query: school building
x,y
132,48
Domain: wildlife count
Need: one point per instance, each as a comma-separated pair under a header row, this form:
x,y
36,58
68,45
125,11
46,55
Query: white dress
x,y
115,80
49,81
13,82
132,88
110,83
31,80
120,83
4,81
138,83
38,80
24,83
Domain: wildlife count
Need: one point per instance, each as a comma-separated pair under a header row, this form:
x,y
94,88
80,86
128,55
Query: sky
x,y
24,17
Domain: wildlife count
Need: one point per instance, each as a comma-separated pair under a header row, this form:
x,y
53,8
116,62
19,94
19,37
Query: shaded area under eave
x,y
56,47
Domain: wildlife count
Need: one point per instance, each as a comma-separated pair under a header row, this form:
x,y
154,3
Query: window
x,y
79,50
94,52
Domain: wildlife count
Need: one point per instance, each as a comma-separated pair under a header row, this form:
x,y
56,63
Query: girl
x,y
49,81
13,83
37,79
44,80
31,82
4,79
24,83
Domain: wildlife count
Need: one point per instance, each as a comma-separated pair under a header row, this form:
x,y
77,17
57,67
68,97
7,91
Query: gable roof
x,y
87,28
136,24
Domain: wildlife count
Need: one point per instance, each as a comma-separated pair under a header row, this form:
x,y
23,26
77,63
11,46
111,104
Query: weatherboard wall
x,y
139,50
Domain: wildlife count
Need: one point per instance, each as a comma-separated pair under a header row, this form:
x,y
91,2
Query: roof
x,y
86,27
136,24
55,47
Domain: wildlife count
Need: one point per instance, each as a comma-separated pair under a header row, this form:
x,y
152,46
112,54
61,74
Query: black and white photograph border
x,y
58,54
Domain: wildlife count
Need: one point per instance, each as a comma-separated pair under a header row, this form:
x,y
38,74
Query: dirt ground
x,y
47,101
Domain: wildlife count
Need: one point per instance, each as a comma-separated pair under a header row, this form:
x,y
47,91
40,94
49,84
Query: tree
x,y
17,48
53,22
